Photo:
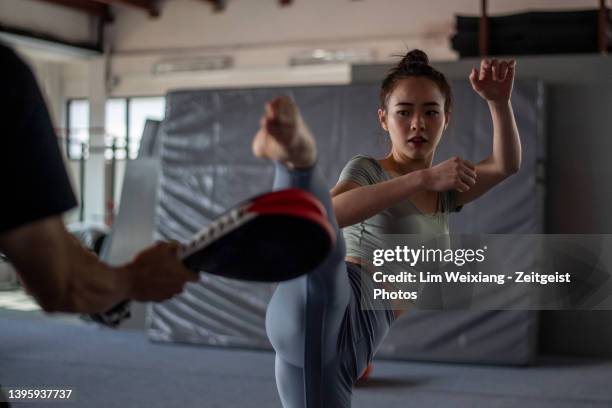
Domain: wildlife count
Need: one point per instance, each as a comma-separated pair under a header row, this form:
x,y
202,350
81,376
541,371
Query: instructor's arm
x,y
63,276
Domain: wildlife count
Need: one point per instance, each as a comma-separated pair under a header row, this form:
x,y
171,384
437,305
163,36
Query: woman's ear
x,y
447,117
382,118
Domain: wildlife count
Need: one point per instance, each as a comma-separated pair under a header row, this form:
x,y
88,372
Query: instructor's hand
x,y
157,274
452,174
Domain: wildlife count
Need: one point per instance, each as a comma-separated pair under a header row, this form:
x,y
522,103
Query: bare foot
x,y
283,136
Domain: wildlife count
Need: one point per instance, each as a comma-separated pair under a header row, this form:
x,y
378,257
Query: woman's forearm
x,y
360,203
506,155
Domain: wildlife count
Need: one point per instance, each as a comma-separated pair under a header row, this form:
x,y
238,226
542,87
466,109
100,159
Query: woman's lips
x,y
417,141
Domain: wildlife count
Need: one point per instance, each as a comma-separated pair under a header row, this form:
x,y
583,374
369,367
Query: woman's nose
x,y
418,123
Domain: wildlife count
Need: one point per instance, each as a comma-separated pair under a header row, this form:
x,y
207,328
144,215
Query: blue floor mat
x,y
108,368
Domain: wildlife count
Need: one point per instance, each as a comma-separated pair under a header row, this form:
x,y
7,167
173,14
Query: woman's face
x,y
414,117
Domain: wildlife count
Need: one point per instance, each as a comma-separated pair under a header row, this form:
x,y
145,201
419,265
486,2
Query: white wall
x,y
191,23
260,36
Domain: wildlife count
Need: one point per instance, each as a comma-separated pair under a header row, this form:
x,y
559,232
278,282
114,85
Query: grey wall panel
x,y
207,166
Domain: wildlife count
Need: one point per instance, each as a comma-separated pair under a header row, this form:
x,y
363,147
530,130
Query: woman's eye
x,y
403,113
432,113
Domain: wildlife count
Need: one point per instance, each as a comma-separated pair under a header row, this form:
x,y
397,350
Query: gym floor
x,y
108,368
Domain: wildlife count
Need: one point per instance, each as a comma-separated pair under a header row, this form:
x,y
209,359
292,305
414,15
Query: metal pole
x,y
483,30
602,28
111,214
68,136
128,103
82,183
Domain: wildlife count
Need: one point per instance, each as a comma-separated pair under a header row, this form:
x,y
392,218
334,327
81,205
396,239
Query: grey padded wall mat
x,y
207,167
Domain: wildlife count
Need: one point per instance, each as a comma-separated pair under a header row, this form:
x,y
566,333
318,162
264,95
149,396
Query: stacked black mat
x,y
541,32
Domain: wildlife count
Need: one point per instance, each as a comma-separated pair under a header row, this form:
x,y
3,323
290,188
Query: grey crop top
x,y
402,218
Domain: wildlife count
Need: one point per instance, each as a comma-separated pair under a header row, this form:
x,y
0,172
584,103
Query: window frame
x,y
128,136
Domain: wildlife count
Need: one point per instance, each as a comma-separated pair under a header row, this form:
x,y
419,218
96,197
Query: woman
x,y
322,338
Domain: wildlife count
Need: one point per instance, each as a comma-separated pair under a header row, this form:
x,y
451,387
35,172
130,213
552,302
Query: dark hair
x,y
415,64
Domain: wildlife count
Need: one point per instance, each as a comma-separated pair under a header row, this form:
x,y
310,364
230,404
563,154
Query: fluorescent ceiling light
x,y
193,64
323,56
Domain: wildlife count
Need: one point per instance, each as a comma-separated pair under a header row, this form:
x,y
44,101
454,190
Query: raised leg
x,y
307,317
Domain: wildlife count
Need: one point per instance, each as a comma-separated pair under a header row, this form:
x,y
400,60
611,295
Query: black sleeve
x,y
33,180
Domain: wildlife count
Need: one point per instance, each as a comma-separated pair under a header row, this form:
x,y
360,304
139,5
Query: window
x,y
78,128
125,120
116,128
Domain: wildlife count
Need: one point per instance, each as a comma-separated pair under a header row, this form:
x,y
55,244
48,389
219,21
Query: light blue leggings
x,y
322,338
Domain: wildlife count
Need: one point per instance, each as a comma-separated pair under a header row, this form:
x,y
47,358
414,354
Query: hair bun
x,y
415,57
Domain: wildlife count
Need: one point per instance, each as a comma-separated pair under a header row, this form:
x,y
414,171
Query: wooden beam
x,y
87,6
149,6
602,28
483,30
218,5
